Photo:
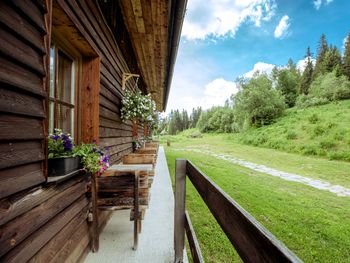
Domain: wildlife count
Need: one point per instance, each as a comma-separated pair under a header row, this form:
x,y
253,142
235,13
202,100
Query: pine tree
x,y
332,59
306,78
322,49
286,80
185,120
346,58
196,113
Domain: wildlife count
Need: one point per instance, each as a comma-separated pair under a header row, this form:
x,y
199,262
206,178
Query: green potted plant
x,y
94,159
60,154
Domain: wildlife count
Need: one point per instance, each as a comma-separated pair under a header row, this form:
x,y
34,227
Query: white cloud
x,y
318,3
282,27
214,93
260,67
219,18
301,64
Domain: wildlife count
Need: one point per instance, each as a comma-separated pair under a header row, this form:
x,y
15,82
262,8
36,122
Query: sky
x,y
225,39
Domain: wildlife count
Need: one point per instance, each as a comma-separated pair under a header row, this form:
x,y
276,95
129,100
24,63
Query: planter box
x,y
62,166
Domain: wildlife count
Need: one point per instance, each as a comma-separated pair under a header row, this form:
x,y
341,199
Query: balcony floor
x,y
156,241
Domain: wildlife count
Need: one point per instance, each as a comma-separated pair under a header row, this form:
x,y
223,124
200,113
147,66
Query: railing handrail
x,y
252,241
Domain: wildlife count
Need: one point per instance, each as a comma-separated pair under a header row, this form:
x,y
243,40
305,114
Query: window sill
x,y
62,178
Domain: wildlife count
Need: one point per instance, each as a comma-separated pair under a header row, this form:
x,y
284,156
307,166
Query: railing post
x,y
180,194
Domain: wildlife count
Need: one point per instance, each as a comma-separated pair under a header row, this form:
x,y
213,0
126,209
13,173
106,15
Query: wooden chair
x,y
115,190
138,158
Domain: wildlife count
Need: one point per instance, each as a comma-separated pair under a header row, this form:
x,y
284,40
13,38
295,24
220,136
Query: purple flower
x,y
55,137
68,145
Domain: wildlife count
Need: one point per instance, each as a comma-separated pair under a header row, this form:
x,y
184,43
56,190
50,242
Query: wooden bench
x,y
117,189
138,158
151,144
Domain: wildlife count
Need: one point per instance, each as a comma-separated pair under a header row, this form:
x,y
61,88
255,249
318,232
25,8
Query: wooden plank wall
x,y
41,222
112,131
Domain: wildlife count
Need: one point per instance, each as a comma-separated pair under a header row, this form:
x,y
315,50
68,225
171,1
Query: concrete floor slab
x,y
156,241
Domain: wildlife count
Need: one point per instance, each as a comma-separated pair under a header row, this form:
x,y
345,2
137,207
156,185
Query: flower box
x,y
62,166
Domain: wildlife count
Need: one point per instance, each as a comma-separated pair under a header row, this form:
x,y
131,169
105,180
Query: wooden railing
x,y
252,241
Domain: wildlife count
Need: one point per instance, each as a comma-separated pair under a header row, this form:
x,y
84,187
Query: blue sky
x,y
224,39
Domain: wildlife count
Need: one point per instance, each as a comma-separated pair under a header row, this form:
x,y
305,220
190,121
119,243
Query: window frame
x,y
75,85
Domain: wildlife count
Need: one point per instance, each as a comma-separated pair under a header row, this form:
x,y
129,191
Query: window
x,y
62,101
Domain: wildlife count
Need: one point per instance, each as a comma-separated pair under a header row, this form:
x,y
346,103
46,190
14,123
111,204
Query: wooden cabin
x,y
63,64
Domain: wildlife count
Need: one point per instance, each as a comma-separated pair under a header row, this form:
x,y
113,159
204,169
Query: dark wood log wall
x,y
40,222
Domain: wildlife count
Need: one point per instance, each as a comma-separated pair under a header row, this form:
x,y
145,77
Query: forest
x,y
265,97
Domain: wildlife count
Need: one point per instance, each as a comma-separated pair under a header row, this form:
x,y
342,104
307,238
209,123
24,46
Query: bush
x,y
291,135
313,118
330,87
325,88
319,130
258,103
304,101
216,119
196,134
327,144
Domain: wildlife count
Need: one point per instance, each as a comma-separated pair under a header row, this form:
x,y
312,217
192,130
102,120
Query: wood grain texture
x,y
15,179
29,247
135,158
19,103
90,100
20,128
31,11
252,241
179,217
50,249
19,153
15,231
16,49
24,201
26,31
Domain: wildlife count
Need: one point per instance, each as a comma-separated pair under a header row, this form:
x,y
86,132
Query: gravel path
x,y
318,184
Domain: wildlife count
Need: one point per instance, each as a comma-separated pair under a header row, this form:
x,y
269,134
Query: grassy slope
x,y
314,224
321,131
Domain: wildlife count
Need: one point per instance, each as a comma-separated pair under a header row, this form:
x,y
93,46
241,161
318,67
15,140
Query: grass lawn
x,y
314,224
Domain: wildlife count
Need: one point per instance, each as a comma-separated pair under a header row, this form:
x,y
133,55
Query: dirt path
x,y
318,184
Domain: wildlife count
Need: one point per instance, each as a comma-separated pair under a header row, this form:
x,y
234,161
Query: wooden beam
x,y
90,100
93,227
180,198
136,208
192,240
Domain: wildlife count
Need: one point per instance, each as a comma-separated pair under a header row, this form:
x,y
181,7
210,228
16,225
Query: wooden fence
x,y
252,241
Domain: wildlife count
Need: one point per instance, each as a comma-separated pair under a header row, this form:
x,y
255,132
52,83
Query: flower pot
x,y
62,166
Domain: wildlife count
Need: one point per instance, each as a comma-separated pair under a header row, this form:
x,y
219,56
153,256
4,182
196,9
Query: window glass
x,y
62,99
52,72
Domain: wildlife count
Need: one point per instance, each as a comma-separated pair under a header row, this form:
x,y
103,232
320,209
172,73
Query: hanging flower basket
x,y
137,107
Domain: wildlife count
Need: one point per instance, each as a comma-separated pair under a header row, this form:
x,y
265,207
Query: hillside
x,y
321,131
